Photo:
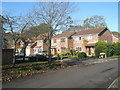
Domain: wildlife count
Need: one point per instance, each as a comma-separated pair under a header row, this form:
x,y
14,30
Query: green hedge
x,y
81,55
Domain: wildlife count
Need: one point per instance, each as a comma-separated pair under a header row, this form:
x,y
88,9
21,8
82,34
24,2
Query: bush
x,y
64,54
109,50
72,52
81,55
100,47
116,48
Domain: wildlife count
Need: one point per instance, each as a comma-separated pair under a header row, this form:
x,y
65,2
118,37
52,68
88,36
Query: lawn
x,y
115,56
25,69
24,64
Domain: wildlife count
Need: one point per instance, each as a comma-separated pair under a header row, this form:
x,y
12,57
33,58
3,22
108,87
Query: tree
x,y
100,47
55,15
2,31
75,28
24,33
94,22
13,26
37,30
25,39
110,50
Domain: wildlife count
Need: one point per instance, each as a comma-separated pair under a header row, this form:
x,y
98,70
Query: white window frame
x,y
79,49
89,37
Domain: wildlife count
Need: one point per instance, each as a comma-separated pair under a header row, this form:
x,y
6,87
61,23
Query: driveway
x,y
96,75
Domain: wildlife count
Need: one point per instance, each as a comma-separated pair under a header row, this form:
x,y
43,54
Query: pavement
x,y
97,73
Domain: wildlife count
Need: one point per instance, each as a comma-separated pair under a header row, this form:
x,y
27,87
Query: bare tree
x,y
94,22
13,25
24,37
54,14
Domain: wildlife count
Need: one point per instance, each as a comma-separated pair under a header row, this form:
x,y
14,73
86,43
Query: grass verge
x,y
115,56
36,67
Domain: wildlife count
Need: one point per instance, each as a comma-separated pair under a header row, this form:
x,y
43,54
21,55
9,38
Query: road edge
x,y
111,85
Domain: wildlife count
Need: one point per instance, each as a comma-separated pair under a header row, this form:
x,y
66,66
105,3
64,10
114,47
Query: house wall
x,y
106,36
91,38
28,51
38,47
114,39
59,45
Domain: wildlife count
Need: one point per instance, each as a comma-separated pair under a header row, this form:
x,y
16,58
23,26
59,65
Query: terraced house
x,y
62,42
81,41
84,41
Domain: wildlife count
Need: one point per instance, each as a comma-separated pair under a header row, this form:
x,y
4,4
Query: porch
x,y
90,49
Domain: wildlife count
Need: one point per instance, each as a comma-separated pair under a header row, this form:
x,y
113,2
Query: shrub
x,y
64,54
109,50
72,52
81,55
100,47
116,48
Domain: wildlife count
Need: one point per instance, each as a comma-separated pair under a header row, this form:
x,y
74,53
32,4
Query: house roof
x,y
117,36
37,46
65,34
90,31
33,45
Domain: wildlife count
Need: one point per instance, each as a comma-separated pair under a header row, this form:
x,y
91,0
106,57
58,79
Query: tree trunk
x,y
49,50
14,57
24,51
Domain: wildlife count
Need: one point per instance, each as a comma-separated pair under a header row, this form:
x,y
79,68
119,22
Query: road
x,y
96,75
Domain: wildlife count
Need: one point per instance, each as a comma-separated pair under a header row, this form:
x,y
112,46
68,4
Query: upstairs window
x,y
89,37
62,39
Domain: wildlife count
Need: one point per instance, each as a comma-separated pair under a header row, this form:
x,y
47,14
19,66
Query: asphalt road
x,y
97,75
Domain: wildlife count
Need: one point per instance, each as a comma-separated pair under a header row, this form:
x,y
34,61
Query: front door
x,y
89,51
55,51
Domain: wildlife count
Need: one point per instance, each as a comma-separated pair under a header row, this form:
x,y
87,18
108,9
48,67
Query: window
x,y
54,40
80,38
89,37
62,39
63,49
78,49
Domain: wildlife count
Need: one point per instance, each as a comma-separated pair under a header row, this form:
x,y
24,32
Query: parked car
x,y
38,57
19,54
42,52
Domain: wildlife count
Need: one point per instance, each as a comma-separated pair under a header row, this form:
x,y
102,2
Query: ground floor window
x,y
78,49
63,49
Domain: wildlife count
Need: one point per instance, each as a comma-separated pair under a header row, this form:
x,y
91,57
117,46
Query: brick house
x,y
116,38
62,42
41,45
35,45
84,41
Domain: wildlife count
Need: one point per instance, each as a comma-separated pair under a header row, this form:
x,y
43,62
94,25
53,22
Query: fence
x,y
7,56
